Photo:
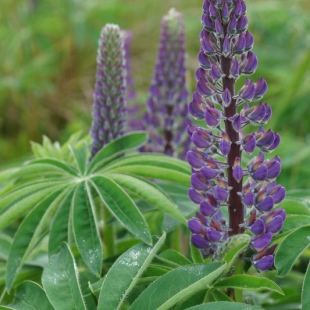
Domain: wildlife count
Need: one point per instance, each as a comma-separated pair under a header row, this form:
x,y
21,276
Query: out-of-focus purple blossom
x,y
109,95
166,117
133,109
219,176
130,90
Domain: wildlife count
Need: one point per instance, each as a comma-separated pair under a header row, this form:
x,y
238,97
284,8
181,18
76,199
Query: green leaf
x,y
81,157
156,270
291,248
124,274
177,286
60,281
194,300
57,164
5,245
154,172
7,174
6,308
149,193
178,193
174,256
122,207
20,207
38,170
248,282
59,227
305,296
195,254
116,147
298,193
27,272
85,230
294,221
225,305
30,295
23,191
151,159
219,296
295,207
26,236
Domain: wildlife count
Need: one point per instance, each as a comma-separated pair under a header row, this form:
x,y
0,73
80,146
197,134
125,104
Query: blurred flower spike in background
x,y
110,89
166,117
219,178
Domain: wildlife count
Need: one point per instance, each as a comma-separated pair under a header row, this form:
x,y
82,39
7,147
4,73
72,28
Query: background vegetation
x,y
48,51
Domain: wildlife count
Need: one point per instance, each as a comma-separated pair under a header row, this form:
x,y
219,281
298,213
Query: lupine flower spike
x,y
166,117
219,177
109,95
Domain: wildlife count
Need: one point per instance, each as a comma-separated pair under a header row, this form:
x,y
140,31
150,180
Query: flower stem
x,y
239,269
235,209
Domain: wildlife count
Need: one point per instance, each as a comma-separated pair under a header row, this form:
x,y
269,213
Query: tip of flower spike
x,y
111,26
172,13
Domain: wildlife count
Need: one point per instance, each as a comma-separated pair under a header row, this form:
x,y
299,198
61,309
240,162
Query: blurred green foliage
x,y
48,60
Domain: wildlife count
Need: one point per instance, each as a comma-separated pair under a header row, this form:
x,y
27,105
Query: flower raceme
x,y
109,95
219,176
166,117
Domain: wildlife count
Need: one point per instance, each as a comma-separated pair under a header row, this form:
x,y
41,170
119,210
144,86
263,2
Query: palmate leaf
x,y
60,281
76,211
124,274
84,228
28,232
122,207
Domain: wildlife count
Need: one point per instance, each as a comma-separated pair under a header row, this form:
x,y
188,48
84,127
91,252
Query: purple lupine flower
x,y
166,117
219,178
109,95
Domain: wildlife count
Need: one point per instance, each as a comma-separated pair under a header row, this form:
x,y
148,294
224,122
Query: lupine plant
x,y
87,225
166,117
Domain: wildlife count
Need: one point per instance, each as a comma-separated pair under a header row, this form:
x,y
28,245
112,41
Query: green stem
x,y
176,239
239,268
2,295
108,233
